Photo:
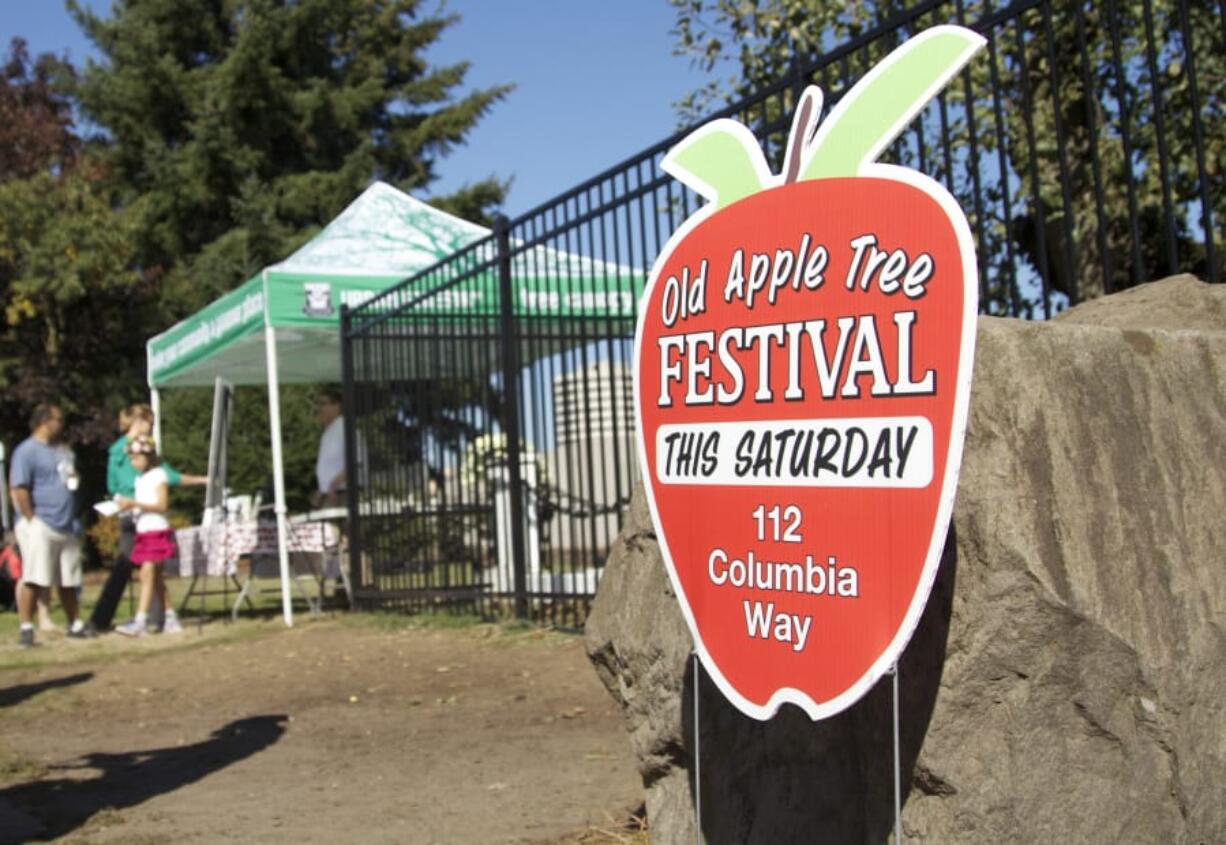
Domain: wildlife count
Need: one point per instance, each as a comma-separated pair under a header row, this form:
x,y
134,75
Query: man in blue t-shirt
x,y
43,478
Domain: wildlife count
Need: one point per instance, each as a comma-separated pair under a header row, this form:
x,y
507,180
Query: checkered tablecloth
x,y
215,549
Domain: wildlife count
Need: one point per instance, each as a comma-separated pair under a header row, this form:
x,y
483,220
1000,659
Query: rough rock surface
x,y
1180,303
1067,680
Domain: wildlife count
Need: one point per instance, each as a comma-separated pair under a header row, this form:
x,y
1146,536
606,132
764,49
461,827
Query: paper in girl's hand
x,y
107,508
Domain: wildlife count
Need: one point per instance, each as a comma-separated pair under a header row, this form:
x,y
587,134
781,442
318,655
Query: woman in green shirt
x,y
134,422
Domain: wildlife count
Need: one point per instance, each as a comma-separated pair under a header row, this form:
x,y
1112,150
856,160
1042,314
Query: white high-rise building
x,y
593,402
593,464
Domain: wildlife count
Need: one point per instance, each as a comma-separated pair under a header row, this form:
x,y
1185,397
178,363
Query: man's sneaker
x,y
26,638
85,632
172,625
131,629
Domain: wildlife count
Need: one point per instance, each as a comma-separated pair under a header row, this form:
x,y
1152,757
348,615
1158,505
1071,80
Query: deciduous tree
x,y
35,113
71,289
1086,96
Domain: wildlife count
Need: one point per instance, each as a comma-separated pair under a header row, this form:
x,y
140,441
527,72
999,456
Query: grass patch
x,y
109,819
631,830
500,633
15,768
265,600
207,623
112,647
393,621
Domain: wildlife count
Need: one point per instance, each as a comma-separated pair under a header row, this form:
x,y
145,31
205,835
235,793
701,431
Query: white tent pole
x,y
155,402
278,468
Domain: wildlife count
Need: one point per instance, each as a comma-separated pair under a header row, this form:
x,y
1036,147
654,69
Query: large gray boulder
x,y
1068,679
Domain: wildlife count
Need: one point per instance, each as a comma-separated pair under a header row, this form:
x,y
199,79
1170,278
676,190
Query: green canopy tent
x,y
283,325
383,237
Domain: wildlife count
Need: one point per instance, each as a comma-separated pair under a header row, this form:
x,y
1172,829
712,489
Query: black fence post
x,y
352,473
796,72
510,412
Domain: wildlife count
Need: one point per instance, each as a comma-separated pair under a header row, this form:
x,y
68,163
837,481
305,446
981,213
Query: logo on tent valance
x,y
318,299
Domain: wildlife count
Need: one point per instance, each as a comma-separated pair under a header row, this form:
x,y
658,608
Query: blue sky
x,y
596,83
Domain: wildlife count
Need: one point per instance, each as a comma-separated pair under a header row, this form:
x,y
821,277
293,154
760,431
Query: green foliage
x,y
188,416
64,253
1095,158
69,285
759,39
228,133
247,125
1045,93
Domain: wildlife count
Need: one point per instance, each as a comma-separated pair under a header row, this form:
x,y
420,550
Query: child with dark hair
x,y
155,540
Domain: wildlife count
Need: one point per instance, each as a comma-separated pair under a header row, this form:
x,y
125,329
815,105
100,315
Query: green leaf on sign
x,y
721,161
886,99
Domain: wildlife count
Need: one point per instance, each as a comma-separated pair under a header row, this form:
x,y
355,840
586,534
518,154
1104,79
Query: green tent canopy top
x,y
382,238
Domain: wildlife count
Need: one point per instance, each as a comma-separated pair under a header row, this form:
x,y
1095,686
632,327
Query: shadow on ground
x,y
14,695
53,806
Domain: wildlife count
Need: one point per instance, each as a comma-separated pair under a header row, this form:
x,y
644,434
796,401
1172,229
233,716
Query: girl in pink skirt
x,y
155,540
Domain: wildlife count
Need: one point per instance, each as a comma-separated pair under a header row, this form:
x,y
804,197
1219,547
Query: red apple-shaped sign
x,y
802,375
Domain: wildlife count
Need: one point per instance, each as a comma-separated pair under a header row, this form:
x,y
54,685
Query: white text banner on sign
x,y
855,452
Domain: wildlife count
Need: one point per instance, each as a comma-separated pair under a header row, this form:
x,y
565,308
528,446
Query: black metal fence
x,y
492,392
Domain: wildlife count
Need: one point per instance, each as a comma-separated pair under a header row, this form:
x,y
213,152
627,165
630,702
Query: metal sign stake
x,y
898,834
697,761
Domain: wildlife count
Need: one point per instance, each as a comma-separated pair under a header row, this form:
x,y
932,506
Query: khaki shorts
x,y
48,557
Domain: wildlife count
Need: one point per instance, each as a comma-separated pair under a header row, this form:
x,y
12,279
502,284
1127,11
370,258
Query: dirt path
x,y
334,731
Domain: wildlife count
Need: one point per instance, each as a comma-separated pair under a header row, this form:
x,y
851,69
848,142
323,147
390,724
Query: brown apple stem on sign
x,y
798,139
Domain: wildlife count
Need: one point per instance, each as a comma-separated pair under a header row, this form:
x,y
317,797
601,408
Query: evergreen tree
x,y
247,125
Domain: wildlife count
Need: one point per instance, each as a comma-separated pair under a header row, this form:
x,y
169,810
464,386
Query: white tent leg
x,y
155,402
278,471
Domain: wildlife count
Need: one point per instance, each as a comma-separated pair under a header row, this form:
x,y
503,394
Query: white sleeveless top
x,y
147,485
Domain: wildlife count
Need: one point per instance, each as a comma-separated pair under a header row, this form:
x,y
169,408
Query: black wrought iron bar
x,y
1069,217
973,165
1032,155
510,421
1090,95
1002,162
1202,172
1130,179
1168,212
